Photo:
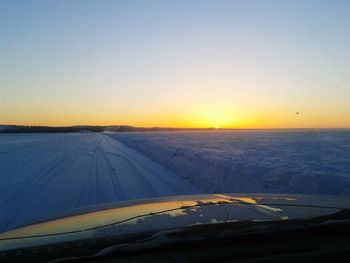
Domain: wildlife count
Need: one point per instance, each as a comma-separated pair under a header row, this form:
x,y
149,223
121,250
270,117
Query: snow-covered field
x,y
42,175
304,161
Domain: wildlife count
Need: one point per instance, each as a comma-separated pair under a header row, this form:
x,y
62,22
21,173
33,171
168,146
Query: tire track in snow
x,y
87,193
146,185
118,190
38,183
133,165
131,159
76,171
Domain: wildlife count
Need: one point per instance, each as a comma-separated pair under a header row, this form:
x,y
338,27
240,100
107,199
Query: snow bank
x,y
309,162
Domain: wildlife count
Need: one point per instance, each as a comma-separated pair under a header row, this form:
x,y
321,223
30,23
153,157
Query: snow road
x,y
43,174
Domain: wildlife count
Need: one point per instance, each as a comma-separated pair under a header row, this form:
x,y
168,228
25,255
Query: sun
x,y
212,117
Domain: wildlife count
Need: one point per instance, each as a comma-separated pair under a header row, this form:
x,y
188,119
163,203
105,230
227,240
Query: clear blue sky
x,y
175,63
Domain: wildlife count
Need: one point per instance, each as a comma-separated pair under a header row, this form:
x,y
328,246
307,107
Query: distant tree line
x,y
84,129
49,129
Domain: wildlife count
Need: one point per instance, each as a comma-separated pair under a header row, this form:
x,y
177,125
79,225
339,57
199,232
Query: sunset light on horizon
x,y
181,64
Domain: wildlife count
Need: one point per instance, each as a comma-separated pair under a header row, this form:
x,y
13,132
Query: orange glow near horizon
x,y
229,64
212,116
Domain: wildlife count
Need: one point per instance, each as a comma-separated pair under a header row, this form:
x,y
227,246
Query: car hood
x,y
159,214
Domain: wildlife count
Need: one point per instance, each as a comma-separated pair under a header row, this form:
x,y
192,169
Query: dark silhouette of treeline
x,y
48,129
85,129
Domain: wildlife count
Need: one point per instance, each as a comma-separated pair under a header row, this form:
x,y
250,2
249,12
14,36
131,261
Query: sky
x,y
228,64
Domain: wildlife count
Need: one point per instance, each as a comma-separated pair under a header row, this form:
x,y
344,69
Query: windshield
x,y
106,103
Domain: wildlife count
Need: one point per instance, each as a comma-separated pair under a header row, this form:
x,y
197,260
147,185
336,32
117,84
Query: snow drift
x,y
289,161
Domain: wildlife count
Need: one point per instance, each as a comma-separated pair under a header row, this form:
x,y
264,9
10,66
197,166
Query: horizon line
x,y
178,128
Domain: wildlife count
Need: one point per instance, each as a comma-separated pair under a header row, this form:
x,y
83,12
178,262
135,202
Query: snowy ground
x,y
305,161
43,174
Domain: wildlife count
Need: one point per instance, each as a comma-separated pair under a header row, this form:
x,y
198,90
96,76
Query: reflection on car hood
x,y
157,214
